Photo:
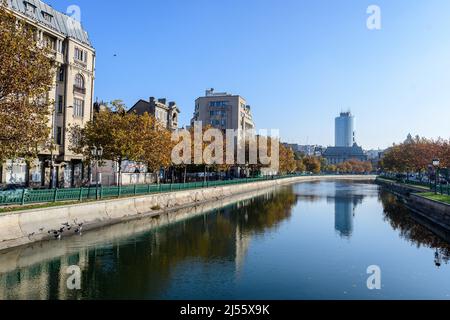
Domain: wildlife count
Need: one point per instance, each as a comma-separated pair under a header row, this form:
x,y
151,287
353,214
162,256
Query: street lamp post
x,y
96,154
436,164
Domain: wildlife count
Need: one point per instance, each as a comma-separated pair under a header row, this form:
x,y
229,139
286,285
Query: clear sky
x,y
297,62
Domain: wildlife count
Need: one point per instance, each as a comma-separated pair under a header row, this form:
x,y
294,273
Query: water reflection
x,y
345,197
344,212
274,244
141,266
415,229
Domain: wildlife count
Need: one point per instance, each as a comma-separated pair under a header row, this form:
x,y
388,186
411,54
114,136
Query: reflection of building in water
x,y
343,217
242,244
43,281
344,212
140,258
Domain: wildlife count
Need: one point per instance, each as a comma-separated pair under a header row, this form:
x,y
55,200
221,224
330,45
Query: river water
x,y
306,241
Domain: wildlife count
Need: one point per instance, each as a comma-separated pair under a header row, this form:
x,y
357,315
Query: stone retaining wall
x,y
435,211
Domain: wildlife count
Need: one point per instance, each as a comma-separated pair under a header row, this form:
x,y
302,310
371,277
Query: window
x,y
61,74
80,55
78,108
49,42
58,135
79,81
29,8
47,16
60,104
218,104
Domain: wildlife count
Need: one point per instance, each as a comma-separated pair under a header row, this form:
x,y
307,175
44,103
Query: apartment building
x,y
166,113
72,94
223,111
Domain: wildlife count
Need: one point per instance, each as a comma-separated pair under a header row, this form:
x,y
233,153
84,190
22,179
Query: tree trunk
x,y
27,173
119,179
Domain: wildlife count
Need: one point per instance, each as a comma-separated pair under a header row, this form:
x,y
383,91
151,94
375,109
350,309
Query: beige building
x,y
72,94
223,111
166,113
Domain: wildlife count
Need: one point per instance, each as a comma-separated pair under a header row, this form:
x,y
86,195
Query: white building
x,y
345,130
72,93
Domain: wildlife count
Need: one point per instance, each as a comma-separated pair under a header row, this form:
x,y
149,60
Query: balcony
x,y
77,89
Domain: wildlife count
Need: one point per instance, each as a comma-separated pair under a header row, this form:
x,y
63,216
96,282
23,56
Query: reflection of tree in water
x,y
265,212
400,219
142,267
147,263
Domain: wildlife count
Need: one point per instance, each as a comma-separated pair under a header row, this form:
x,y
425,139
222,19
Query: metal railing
x,y
28,196
437,188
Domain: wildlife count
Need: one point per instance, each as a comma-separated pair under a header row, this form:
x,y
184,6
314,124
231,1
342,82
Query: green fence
x,y
439,188
22,197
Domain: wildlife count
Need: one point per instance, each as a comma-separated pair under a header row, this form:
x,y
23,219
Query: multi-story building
x,y
72,94
345,133
166,114
307,150
346,147
223,111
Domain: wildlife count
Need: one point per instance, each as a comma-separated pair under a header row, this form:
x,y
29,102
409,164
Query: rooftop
x,y
347,151
46,15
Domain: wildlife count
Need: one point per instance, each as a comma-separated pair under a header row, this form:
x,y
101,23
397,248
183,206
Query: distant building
x,y
307,150
374,154
345,133
336,155
166,113
346,147
223,111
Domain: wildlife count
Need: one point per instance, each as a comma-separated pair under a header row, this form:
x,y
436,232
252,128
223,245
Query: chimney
x,y
152,100
162,100
172,104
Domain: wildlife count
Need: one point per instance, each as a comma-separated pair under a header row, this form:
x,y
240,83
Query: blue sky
x,y
297,62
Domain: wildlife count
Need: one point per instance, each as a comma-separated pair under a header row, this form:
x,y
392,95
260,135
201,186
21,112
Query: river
x,y
305,241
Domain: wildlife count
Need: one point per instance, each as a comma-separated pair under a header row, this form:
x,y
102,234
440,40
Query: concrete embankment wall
x,y
435,211
29,255
25,227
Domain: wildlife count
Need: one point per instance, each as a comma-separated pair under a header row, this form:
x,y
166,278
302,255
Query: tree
x,y
26,76
415,155
116,131
154,144
312,164
287,160
300,165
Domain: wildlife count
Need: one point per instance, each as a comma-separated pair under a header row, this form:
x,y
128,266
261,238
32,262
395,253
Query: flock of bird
x,y
66,227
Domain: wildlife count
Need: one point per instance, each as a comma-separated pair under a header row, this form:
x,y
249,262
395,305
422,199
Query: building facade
x,y
346,148
337,155
345,130
307,150
166,113
223,111
72,94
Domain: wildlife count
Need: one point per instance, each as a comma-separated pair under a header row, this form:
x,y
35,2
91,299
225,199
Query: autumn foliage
x,y
124,136
416,155
26,76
